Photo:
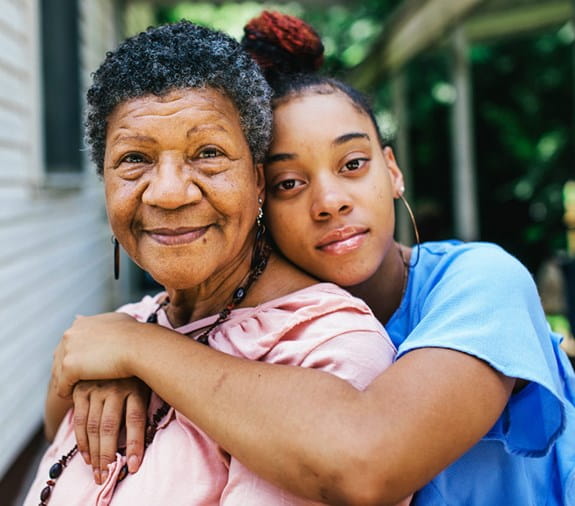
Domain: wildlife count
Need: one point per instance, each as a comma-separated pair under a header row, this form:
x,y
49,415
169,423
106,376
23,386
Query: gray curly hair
x,y
175,56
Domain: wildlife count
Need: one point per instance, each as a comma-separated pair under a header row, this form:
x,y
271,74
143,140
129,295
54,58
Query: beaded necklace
x,y
260,257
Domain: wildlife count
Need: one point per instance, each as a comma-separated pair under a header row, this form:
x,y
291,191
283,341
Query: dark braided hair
x,y
175,56
290,53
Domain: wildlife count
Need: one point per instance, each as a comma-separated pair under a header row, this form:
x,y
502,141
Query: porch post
x,y
464,187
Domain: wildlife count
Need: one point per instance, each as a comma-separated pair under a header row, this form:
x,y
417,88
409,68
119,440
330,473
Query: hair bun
x,y
283,43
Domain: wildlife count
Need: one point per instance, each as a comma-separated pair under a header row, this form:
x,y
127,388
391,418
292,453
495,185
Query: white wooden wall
x,y
55,249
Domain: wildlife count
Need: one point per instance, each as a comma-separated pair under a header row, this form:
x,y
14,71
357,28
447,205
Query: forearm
x,y
55,409
295,427
314,434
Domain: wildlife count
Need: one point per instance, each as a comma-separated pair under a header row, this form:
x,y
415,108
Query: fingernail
x,y
133,463
86,457
97,476
104,476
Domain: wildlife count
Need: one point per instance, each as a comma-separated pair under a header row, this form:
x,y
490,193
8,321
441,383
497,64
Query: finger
x,y
62,384
81,409
56,369
112,417
136,420
63,390
93,432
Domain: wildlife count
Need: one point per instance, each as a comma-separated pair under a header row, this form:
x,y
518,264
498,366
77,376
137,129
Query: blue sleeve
x,y
483,302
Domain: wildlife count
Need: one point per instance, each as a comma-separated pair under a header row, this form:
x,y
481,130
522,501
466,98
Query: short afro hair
x,y
176,56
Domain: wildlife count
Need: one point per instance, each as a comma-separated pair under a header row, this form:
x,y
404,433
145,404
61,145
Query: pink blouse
x,y
321,326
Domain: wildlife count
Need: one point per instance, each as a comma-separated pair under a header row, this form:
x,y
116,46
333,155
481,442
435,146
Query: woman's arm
x,y
303,429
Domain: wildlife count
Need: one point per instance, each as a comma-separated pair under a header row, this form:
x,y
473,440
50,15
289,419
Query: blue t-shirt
x,y
478,299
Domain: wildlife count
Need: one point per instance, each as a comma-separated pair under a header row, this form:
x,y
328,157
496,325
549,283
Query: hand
x,y
101,409
94,347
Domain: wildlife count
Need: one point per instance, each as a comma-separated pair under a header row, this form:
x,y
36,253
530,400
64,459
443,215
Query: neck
x,y
212,295
383,291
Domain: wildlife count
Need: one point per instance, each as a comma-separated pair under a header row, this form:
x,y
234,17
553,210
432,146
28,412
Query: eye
x,y
133,158
287,185
355,164
210,152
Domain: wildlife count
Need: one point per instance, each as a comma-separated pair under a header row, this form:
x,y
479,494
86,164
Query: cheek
x,y
121,204
284,225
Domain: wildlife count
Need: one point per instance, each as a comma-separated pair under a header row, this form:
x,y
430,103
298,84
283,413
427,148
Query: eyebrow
x,y
137,138
210,126
280,157
338,141
342,139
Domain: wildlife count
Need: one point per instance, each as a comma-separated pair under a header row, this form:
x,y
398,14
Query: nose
x,y
330,199
171,186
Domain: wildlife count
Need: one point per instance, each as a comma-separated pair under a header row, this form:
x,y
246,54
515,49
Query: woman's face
x,y
330,188
181,187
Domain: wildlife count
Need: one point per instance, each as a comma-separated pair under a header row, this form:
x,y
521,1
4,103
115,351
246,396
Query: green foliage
x,y
524,130
348,31
229,17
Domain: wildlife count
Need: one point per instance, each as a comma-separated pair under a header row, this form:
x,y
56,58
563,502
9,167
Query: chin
x,y
345,279
349,282
172,280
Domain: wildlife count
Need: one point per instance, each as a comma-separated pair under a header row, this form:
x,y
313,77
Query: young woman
x,y
479,406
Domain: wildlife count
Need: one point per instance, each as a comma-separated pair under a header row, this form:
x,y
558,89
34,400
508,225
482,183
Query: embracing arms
x,y
303,429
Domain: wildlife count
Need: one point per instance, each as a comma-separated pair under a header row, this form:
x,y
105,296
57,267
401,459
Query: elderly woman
x,y
179,120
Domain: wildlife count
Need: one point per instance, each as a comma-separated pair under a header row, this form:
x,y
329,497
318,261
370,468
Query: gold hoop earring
x,y
413,224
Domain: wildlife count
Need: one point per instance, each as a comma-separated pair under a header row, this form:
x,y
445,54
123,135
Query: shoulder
x,y
320,301
320,297
479,299
143,308
467,286
464,265
446,253
302,321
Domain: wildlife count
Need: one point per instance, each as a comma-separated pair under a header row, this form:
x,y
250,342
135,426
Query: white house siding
x,y
55,249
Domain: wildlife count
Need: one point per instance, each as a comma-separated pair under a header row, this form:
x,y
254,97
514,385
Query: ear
x,y
395,173
260,181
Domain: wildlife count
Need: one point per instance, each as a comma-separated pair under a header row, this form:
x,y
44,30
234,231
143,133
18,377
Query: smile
x,y
176,236
343,240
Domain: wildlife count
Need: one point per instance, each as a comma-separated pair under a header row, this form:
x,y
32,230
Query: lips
x,y
342,240
176,236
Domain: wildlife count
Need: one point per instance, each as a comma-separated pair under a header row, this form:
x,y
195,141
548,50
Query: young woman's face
x,y
330,188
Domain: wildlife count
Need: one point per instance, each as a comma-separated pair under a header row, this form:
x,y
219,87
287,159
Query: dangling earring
x,y
116,258
261,228
413,223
